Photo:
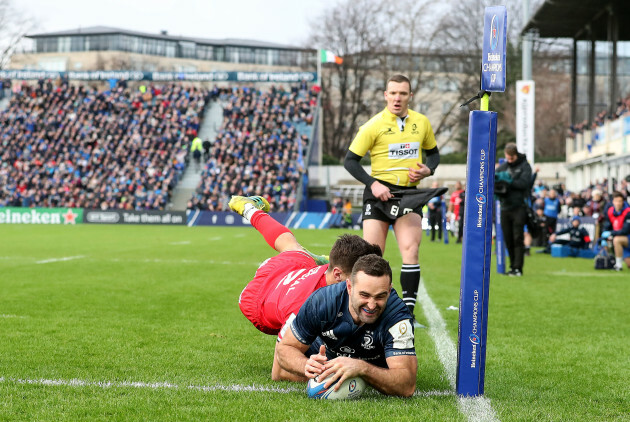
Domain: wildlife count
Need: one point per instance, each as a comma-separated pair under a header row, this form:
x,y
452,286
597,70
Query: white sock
x,y
618,262
248,211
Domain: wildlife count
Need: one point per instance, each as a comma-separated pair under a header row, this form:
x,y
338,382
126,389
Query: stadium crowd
x,y
553,202
259,148
623,107
67,145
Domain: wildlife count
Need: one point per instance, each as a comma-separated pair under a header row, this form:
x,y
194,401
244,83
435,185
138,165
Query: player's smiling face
x,y
397,96
368,297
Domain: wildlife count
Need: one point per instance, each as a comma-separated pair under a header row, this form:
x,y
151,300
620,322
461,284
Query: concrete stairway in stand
x,y
184,190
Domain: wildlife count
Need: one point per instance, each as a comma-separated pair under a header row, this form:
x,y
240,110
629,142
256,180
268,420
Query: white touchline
x,y
474,408
65,258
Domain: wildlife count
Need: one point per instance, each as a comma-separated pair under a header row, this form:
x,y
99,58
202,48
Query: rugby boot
x,y
241,204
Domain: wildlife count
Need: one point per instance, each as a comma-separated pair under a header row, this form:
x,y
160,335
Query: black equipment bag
x,y
604,261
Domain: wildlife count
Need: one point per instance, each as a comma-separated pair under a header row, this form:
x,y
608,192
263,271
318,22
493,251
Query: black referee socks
x,y
409,281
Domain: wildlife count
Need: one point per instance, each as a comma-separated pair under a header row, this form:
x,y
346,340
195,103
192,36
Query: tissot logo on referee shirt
x,y
404,150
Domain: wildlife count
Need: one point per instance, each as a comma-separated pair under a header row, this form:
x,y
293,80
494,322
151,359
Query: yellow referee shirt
x,y
393,151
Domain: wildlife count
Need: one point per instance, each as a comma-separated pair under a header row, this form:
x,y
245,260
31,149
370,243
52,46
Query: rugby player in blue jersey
x,y
357,328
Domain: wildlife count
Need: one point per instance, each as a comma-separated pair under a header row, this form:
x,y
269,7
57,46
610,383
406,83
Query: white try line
x,y
167,385
153,386
474,408
65,258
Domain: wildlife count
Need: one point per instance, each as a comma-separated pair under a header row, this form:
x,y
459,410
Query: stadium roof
x,y
107,30
569,18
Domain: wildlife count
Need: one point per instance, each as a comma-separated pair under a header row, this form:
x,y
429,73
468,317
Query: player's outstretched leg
x,y
254,209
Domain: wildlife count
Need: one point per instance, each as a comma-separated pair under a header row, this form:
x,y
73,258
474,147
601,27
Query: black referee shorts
x,y
388,211
406,200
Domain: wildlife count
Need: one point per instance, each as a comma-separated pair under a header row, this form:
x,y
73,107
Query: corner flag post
x,y
443,223
477,242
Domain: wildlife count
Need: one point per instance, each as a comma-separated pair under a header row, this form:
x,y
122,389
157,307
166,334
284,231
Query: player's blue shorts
x,y
626,250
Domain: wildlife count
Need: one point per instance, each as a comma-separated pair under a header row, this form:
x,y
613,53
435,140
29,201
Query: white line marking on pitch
x,y
434,393
166,385
157,385
184,242
577,274
65,258
11,316
474,408
148,260
182,261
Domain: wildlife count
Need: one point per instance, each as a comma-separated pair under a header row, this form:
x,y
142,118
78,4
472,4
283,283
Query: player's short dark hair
x,y
617,194
373,265
348,248
510,149
398,78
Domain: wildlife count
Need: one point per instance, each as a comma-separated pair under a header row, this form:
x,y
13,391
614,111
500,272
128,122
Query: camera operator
x,y
513,181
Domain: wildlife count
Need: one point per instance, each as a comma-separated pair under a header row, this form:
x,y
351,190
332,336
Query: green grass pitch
x,y
142,323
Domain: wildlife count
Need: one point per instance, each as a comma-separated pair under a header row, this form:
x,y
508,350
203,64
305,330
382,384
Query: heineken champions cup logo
x,y
494,33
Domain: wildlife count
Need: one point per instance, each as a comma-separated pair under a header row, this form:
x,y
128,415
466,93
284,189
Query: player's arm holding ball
x,y
399,379
290,354
292,363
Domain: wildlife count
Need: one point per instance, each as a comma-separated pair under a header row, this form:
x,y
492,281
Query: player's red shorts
x,y
281,285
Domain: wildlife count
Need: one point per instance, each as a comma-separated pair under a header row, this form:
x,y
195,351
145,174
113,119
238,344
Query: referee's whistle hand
x,y
417,174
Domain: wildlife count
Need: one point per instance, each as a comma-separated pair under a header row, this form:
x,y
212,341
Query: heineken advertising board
x,y
13,215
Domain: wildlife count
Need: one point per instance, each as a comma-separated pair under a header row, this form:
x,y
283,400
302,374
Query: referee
x,y
394,137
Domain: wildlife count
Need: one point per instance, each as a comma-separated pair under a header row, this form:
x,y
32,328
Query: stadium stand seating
x,y
623,107
73,146
260,148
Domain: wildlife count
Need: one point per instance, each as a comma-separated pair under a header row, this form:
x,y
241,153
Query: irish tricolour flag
x,y
329,57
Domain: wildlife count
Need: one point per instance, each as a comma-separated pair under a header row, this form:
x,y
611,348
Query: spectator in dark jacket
x,y
513,187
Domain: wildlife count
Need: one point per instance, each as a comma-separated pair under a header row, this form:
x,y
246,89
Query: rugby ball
x,y
351,388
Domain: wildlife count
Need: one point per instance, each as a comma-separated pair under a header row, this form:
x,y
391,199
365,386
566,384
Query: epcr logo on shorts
x,y
481,198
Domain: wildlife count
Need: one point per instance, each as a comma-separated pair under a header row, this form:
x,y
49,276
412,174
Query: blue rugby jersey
x,y
325,319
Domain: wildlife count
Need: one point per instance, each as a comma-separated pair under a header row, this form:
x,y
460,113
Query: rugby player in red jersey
x,y
283,283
